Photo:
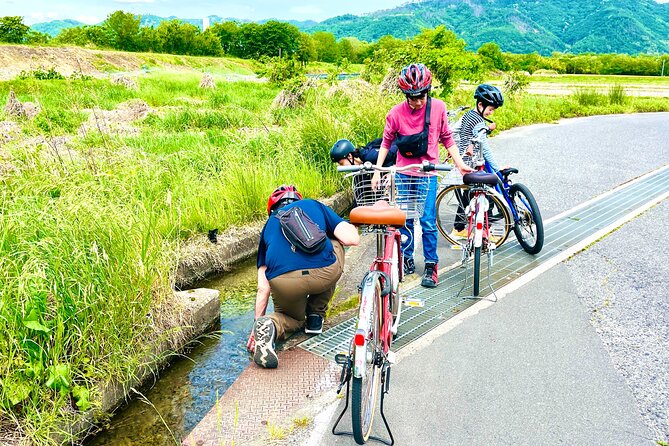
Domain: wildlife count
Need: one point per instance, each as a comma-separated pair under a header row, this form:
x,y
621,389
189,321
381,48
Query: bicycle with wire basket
x,y
512,205
381,211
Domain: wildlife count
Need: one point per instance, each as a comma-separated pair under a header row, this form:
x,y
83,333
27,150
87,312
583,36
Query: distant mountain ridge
x,y
523,26
517,26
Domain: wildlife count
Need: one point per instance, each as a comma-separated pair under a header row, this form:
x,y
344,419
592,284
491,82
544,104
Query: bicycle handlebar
x,y
426,166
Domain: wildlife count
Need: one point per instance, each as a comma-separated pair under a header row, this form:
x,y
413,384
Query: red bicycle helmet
x,y
281,193
414,79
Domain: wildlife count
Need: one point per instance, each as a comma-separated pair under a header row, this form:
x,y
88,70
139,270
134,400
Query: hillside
x,y
517,26
98,63
523,26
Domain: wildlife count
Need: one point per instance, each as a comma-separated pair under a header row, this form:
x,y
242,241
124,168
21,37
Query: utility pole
x,y
663,61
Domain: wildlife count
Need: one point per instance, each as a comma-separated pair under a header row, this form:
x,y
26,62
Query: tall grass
x,y
90,233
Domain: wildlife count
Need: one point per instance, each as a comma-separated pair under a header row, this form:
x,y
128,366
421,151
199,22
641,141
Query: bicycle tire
x,y
477,270
365,390
447,205
529,228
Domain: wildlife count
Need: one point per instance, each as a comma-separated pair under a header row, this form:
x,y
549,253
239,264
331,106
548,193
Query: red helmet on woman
x,y
414,79
282,193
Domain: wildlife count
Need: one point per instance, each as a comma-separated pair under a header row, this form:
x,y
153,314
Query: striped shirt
x,y
470,121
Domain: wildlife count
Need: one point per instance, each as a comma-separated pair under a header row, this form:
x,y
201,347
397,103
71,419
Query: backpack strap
x,y
427,112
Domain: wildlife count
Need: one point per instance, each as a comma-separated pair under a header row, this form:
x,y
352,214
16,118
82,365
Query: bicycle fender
x,y
364,323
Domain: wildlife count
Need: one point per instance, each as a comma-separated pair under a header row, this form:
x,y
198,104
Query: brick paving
x,y
261,396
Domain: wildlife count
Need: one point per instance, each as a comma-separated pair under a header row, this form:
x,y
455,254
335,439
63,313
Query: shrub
x,y
617,95
588,97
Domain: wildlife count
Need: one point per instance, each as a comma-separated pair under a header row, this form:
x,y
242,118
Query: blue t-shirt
x,y
275,252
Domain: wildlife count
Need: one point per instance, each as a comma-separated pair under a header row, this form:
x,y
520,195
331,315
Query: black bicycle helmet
x,y
489,95
341,149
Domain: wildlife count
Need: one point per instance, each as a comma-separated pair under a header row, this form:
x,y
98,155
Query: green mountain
x,y
522,26
54,27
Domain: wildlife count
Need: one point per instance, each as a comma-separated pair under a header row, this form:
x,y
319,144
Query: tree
x,y
280,39
37,38
176,37
12,29
444,54
207,44
306,49
492,56
228,34
123,29
326,46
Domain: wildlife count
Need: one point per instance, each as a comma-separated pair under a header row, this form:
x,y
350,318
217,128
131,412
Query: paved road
x,y
578,356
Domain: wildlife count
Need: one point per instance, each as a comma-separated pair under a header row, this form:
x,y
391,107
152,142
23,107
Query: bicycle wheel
x,y
529,228
366,388
477,270
451,203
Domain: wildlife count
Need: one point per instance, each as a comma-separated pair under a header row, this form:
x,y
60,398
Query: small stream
x,y
165,413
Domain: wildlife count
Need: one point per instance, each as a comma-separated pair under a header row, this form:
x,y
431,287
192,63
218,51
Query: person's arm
x,y
347,234
457,159
485,148
262,299
383,152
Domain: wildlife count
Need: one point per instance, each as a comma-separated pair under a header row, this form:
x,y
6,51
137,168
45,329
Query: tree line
x,y
123,31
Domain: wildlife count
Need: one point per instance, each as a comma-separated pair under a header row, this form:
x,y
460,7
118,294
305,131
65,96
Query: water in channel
x,y
165,413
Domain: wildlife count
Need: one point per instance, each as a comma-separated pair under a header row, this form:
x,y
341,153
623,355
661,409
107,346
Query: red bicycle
x,y
380,211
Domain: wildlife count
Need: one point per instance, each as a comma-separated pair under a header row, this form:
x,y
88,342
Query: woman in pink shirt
x,y
417,126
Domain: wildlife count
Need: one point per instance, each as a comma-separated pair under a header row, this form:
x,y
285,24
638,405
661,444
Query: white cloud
x,y
309,10
44,15
88,19
134,1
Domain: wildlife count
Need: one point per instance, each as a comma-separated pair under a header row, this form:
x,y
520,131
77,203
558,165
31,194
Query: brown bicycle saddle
x,y
380,213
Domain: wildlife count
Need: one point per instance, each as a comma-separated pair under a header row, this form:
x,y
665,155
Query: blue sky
x,y
94,11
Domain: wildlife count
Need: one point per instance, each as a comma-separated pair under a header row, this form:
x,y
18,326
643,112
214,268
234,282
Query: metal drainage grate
x,y
510,262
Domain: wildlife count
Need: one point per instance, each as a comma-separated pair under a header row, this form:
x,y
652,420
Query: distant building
x,y
205,23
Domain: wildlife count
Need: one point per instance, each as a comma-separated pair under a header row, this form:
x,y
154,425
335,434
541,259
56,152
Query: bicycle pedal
x,y
414,302
342,358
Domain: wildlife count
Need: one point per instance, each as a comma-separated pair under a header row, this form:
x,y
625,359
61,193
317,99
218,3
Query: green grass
x,y
91,233
578,79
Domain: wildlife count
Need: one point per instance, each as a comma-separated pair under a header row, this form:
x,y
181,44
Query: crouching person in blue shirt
x,y
301,284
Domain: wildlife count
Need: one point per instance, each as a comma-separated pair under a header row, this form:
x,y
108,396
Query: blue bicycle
x,y
511,205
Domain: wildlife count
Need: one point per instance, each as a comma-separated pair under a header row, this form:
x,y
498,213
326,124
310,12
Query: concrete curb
x,y
200,310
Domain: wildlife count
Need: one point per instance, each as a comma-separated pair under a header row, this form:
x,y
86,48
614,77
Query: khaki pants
x,y
305,291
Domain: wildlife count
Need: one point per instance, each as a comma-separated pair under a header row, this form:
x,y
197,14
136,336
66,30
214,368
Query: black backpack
x,y
301,231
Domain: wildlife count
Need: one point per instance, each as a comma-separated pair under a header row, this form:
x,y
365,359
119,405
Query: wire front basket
x,y
406,192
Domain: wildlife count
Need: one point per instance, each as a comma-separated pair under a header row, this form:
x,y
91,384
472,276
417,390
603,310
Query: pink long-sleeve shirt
x,y
404,120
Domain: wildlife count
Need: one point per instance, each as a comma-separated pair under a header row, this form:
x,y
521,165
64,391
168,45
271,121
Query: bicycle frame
x,y
478,218
387,269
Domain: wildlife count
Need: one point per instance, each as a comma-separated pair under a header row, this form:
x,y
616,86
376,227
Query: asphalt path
x,y
579,355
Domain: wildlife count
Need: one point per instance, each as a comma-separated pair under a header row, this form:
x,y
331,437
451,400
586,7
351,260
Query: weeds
x,y
90,233
617,95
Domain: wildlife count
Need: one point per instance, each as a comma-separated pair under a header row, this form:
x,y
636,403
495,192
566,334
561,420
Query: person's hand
x,y
470,150
463,168
251,343
376,178
492,126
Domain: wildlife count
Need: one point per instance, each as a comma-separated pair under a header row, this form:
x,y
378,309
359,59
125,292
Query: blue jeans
x,y
428,221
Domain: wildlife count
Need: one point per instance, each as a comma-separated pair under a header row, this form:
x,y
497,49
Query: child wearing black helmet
x,y
488,99
344,153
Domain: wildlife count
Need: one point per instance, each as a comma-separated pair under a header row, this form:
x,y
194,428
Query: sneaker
x,y
430,278
314,324
459,234
409,266
264,333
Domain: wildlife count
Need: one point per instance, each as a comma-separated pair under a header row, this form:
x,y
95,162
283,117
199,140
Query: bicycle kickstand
x,y
346,373
345,378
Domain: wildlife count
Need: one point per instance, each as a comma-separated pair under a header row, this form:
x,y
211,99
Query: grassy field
x,y
102,188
